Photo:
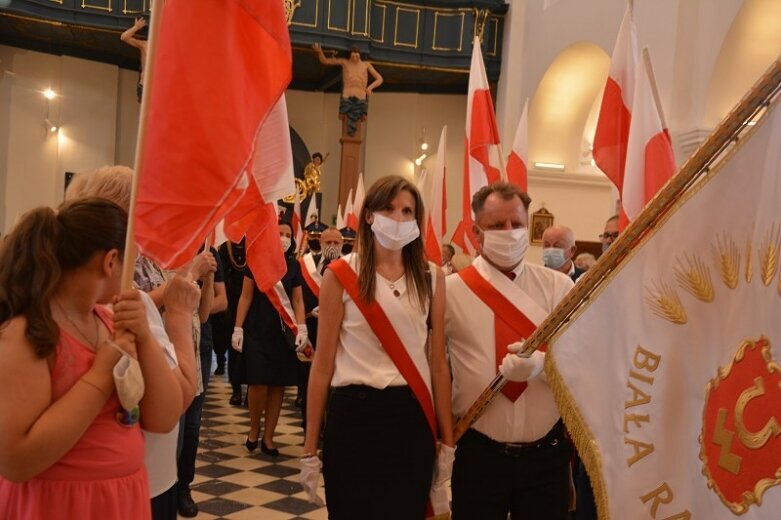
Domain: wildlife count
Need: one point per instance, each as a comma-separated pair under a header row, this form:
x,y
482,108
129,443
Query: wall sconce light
x,y
549,166
51,127
421,158
49,94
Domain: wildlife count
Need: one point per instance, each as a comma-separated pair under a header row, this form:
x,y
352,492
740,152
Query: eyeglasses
x,y
609,236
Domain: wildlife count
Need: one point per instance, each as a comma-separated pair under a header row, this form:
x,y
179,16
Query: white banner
x,y
668,379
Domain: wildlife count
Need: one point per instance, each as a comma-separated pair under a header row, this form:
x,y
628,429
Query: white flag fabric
x,y
668,379
312,213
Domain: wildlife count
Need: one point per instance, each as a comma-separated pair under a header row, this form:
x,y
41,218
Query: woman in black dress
x,y
269,362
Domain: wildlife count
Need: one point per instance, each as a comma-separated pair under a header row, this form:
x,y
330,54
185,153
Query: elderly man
x,y
558,250
448,252
515,458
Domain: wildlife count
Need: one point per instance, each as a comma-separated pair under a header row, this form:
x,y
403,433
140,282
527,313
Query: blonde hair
x,y
113,183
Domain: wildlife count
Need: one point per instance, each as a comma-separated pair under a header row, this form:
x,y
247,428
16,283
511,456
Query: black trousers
x,y
530,483
378,455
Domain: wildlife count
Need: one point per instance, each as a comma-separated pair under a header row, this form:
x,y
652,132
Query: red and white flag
x,y
350,219
436,220
668,376
517,171
649,158
481,144
295,222
612,134
193,155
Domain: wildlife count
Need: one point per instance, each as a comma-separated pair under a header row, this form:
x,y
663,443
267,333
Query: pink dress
x,y
102,476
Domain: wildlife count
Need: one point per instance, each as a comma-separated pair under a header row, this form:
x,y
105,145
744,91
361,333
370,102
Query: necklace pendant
x,y
396,293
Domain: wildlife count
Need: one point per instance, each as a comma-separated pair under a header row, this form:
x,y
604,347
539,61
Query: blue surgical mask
x,y
553,257
605,246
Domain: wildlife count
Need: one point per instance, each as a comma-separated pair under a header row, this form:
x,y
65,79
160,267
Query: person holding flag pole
x,y
379,306
613,479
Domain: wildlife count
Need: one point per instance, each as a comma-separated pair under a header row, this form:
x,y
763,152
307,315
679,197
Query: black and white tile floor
x,y
230,483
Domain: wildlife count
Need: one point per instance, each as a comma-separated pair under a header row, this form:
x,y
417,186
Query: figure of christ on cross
x,y
355,84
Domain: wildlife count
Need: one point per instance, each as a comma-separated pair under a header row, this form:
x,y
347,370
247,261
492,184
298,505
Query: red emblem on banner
x,y
740,444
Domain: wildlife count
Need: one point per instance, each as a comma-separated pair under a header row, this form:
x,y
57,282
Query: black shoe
x,y
235,400
299,402
273,452
220,370
185,504
252,445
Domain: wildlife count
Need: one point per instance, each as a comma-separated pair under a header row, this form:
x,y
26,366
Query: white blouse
x,y
360,357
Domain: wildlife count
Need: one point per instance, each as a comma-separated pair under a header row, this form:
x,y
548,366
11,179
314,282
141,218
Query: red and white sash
x,y
516,314
281,302
311,275
389,322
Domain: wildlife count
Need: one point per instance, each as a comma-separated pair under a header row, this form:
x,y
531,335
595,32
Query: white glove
x,y
315,313
302,338
520,369
310,478
443,469
237,339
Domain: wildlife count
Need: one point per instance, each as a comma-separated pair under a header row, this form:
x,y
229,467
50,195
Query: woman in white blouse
x,y
388,398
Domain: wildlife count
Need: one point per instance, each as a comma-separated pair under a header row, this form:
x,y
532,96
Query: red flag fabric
x,y
480,143
208,98
612,133
649,162
459,239
519,155
436,219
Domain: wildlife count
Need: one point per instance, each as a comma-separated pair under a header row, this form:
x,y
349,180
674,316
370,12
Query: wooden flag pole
x,y
698,164
501,162
129,261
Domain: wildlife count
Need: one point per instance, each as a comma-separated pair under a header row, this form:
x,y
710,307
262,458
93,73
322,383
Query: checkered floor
x,y
231,483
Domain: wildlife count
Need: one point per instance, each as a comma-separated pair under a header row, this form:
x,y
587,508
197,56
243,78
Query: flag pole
x,y
698,164
501,162
129,261
649,68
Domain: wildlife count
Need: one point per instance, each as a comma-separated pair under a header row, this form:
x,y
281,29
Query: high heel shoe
x,y
273,452
252,445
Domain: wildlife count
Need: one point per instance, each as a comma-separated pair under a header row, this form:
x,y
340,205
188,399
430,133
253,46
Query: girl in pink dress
x,y
67,450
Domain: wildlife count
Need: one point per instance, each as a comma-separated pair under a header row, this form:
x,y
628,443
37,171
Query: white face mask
x,y
505,247
394,234
129,382
553,257
285,241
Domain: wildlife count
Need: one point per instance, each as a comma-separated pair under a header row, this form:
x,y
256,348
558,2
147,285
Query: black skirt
x,y
378,454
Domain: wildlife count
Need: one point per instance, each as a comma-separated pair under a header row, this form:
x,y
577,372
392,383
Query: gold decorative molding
x,y
382,24
434,46
694,277
127,10
366,23
495,21
107,7
481,17
768,254
728,260
317,13
56,1
665,303
396,42
749,267
290,10
346,28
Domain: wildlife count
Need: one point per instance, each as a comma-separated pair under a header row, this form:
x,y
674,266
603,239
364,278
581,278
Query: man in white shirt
x,y
515,458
